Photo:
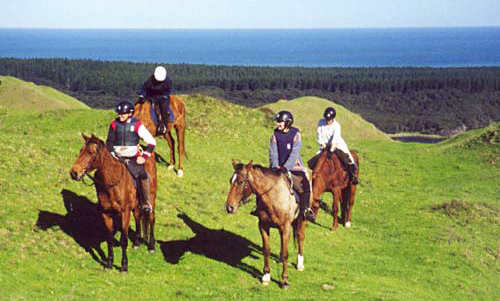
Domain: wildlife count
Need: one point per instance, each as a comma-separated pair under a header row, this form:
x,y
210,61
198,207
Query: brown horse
x,y
117,195
330,175
276,207
143,113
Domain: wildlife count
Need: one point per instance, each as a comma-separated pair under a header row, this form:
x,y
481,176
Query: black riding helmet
x,y
329,113
124,107
284,116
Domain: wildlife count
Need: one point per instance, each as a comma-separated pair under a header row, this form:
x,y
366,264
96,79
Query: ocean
x,y
403,47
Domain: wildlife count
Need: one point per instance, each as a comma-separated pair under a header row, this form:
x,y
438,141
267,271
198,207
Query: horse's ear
x,y
85,137
234,163
250,164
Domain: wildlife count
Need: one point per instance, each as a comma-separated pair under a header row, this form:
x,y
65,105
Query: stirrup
x,y
162,129
147,207
309,215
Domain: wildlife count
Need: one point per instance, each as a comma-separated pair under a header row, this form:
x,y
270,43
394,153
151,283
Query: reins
x,y
94,180
246,181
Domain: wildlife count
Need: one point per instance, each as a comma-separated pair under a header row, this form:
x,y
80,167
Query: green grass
x,y
425,221
19,94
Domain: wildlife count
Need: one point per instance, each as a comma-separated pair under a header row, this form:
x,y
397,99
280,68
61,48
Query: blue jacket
x,y
284,149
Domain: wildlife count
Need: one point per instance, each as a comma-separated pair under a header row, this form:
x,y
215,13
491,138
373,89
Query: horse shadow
x,y
219,245
83,222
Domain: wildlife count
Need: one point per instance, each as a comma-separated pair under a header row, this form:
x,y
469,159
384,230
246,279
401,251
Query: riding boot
x,y
146,196
352,167
165,115
306,212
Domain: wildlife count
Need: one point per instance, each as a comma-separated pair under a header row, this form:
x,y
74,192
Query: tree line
x,y
427,100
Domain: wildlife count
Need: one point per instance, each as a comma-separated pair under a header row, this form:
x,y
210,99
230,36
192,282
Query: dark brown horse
x,y
143,112
117,195
276,207
331,175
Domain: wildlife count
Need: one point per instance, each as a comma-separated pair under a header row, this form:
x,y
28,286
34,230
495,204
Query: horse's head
x,y
87,160
241,187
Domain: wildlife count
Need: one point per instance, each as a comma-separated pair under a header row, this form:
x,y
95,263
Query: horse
x,y
329,174
276,207
142,111
117,195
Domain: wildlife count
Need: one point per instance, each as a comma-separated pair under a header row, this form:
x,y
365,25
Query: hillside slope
x,y
19,94
425,222
308,110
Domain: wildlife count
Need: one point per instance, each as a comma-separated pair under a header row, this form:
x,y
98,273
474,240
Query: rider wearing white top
x,y
329,135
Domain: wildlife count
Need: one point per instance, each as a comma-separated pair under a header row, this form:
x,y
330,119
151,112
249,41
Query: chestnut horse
x,y
143,113
276,207
330,175
117,195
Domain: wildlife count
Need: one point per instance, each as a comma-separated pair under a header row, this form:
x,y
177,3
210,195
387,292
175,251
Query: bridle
x,y
246,182
87,170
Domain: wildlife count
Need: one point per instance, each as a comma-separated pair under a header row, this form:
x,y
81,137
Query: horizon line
x,y
253,28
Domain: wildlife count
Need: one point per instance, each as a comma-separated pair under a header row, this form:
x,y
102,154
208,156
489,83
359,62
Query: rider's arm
x,y
110,141
145,135
273,152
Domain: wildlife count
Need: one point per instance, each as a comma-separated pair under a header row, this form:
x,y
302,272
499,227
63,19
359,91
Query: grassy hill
x,y
19,94
425,221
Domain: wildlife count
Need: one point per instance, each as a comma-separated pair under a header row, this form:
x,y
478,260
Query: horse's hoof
x,y
348,225
123,272
266,279
180,173
151,251
285,286
170,167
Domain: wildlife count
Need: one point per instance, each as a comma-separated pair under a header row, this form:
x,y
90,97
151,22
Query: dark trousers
x,y
137,170
303,188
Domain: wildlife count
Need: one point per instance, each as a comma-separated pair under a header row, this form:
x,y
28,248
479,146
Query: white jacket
x,y
331,134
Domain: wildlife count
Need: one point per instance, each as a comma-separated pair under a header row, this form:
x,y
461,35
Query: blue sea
x,y
418,47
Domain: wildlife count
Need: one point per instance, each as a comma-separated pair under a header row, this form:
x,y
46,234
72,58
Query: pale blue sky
x,y
247,13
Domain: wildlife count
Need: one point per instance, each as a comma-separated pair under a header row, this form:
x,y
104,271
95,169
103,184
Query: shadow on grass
x,y
83,222
220,245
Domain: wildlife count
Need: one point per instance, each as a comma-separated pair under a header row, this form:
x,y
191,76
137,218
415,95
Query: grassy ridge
x,y
425,222
18,94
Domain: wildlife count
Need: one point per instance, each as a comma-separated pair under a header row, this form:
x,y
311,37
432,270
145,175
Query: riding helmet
x,y
124,107
160,73
284,116
329,113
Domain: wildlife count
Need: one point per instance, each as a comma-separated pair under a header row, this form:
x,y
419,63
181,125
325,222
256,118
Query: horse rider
x,y
284,154
158,87
122,142
329,136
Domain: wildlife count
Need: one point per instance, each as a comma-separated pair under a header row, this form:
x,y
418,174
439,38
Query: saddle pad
x,y
171,117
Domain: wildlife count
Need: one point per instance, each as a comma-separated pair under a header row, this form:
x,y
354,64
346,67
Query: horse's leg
x,y
285,237
137,218
171,145
301,234
335,208
352,192
181,150
151,245
124,240
264,233
344,204
108,221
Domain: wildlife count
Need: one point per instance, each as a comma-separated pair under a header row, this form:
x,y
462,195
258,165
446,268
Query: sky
x,y
210,14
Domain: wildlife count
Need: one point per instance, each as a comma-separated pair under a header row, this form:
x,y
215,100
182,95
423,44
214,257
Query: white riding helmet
x,y
160,73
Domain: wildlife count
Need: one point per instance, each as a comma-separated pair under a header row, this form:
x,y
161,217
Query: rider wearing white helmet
x,y
158,87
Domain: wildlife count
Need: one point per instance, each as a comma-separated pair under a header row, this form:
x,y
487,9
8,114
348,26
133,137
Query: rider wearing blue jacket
x,y
284,154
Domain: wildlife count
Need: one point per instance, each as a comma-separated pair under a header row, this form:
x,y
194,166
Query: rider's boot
x,y
306,212
146,196
352,167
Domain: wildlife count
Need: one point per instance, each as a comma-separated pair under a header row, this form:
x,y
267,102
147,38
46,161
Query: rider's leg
x,y
348,160
143,185
301,185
